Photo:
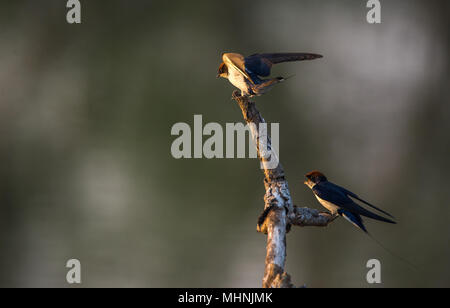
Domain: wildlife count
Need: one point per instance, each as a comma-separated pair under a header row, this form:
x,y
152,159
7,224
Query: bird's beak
x,y
218,75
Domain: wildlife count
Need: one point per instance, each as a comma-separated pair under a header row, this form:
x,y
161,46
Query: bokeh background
x,y
86,112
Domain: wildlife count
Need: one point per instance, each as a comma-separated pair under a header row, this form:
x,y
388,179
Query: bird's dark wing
x,y
260,64
349,193
331,193
334,194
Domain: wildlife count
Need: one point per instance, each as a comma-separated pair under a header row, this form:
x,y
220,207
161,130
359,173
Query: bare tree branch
x,y
306,217
279,211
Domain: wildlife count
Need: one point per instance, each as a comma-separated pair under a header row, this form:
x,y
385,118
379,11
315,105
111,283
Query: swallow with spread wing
x,y
245,72
338,201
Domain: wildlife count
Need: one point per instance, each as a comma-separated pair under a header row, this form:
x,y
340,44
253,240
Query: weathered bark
x,y
305,217
279,211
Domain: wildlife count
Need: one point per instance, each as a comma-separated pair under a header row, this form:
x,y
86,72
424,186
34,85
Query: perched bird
x,y
338,201
245,73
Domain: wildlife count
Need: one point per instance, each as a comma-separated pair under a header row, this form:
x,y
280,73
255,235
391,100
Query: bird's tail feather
x,y
286,78
354,219
393,254
358,222
266,85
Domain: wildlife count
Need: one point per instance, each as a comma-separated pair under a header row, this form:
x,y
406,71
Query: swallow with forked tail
x,y
338,201
245,72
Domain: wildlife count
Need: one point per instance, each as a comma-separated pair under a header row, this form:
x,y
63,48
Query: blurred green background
x,y
86,112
